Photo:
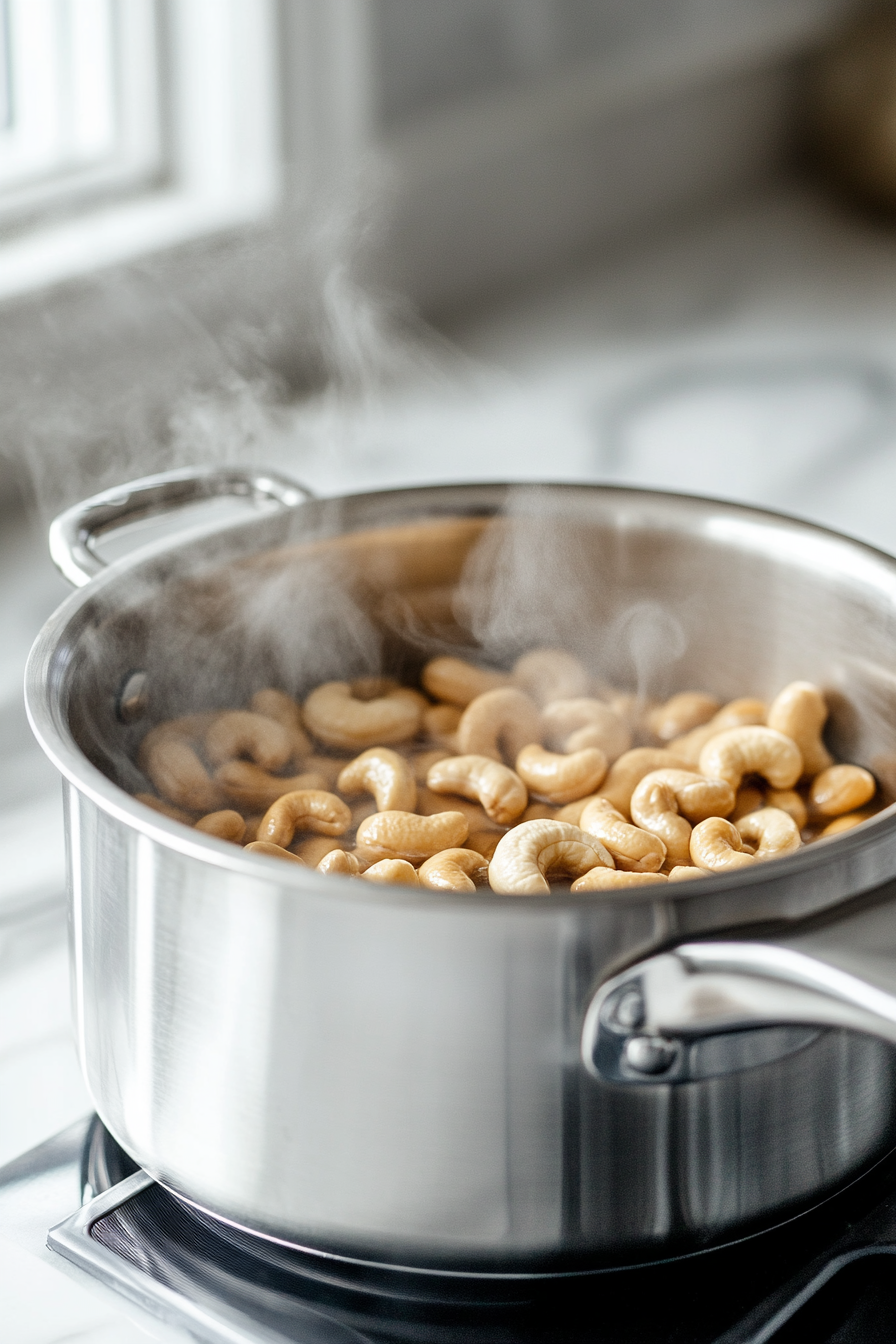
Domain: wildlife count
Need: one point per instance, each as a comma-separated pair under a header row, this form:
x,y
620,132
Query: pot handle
x,y
73,534
640,1026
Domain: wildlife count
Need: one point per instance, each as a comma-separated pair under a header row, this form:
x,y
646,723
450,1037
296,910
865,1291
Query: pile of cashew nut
x,y
516,781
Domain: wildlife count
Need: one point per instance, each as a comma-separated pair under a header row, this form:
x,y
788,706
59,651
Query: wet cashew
x,y
272,851
484,842
226,825
248,786
340,861
431,804
550,674
404,835
749,799
440,724
453,870
841,789
571,725
663,795
239,732
283,709
500,792
626,773
383,773
717,847
179,775
752,751
800,711
681,713
772,831
789,801
337,718
459,682
526,855
561,779
304,810
606,879
740,713
684,873
397,871
634,850
498,724
847,822
166,809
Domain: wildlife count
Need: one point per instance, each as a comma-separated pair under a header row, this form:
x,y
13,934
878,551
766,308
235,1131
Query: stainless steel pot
x,y
471,1084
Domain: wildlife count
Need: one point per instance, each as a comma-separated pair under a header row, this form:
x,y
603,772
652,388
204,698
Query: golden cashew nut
x,y
459,682
789,801
526,855
250,787
717,847
550,674
772,831
272,851
440,724
239,732
800,711
383,773
561,779
226,825
634,850
663,795
741,713
398,872
304,810
683,873
498,724
572,725
453,870
179,775
681,713
165,809
339,719
606,879
341,862
753,750
283,709
405,835
847,822
627,772
500,792
841,789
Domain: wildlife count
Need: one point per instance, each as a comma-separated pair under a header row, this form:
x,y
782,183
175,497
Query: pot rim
x,y
51,730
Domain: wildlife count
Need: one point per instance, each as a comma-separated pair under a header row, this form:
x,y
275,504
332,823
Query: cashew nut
x,y
571,725
431,804
681,713
606,879
800,711
317,847
841,789
239,732
662,795
634,850
561,779
772,831
550,674
226,825
572,812
340,861
179,775
717,847
789,801
383,773
397,871
683,873
736,714
526,855
498,724
440,724
752,751
626,773
847,822
304,810
281,707
339,719
459,682
454,870
405,835
272,851
166,809
248,786
501,793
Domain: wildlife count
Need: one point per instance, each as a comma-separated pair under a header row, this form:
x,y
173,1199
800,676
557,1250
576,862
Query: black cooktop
x,y
826,1277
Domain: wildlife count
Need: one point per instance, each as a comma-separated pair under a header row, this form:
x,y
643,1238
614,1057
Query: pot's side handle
x,y
73,534
640,1024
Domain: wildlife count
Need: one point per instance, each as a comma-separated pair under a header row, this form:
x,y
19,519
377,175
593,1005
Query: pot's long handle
x,y
640,1024
73,534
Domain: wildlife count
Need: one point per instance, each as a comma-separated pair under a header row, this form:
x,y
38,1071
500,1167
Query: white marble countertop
x,y
752,356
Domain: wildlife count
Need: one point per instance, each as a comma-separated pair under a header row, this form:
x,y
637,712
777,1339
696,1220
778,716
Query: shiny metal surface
x,y
381,1075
